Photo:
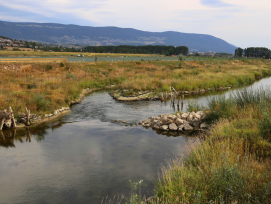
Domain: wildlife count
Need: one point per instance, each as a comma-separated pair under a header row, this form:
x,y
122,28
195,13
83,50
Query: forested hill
x,y
87,35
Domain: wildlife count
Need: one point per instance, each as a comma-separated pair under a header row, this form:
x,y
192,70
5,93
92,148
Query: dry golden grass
x,y
43,87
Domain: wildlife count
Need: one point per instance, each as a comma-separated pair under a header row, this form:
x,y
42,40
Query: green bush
x,y
41,102
61,64
48,67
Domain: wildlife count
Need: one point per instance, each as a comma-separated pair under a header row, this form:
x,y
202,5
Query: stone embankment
x,y
180,122
34,119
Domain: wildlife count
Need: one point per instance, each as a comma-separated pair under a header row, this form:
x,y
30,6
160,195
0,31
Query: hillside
x,y
87,35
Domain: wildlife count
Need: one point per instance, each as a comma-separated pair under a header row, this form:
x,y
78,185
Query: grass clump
x,y
41,102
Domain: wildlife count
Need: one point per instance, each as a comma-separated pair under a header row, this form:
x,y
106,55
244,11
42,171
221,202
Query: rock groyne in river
x,y
180,122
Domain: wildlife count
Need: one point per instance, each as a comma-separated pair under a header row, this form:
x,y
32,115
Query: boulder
x,y
167,122
197,116
181,128
178,115
184,116
55,112
187,127
156,127
179,121
199,113
173,127
148,121
190,117
204,125
164,127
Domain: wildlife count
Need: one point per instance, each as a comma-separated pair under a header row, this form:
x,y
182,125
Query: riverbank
x,y
233,163
46,87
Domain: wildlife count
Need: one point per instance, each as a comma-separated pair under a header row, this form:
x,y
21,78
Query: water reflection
x,y
79,159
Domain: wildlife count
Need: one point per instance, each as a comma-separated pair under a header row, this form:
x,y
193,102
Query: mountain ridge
x,y
110,35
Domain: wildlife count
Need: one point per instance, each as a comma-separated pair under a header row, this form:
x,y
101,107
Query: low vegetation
x,y
44,87
233,164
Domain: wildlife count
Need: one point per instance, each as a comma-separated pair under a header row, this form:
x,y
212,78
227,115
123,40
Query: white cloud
x,y
243,23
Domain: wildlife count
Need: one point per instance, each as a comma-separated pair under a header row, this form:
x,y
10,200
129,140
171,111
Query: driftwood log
x,y
26,117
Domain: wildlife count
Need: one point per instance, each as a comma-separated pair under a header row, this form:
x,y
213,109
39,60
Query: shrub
x,y
61,64
32,86
41,102
70,76
48,67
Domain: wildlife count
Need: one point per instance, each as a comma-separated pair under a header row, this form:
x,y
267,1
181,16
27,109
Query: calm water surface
x,y
83,156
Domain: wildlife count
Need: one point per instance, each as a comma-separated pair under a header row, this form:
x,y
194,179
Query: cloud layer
x,y
243,23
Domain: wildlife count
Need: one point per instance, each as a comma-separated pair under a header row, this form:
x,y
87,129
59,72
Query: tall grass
x,y
18,88
233,164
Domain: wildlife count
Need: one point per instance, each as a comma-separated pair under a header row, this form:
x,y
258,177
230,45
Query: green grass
x,y
232,165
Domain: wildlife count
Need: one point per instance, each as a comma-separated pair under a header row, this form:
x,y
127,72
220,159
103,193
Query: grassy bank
x,y
44,87
233,164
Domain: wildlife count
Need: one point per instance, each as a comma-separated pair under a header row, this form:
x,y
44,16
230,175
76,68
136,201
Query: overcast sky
x,y
244,23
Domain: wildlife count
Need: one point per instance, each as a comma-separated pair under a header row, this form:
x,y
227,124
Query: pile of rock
x,y
179,122
56,112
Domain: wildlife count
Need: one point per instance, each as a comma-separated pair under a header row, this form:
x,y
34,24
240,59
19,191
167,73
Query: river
x,y
83,156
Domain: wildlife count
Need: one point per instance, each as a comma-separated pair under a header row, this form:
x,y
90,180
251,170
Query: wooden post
x,y
12,118
166,95
173,99
182,100
27,116
2,123
179,100
162,96
3,136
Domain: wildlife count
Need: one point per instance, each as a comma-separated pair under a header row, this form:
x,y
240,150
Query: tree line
x,y
257,52
145,49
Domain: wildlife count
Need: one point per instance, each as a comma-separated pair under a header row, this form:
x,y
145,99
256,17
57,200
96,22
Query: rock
x,y
178,115
46,115
204,126
55,112
50,115
187,127
156,127
172,117
184,116
195,123
173,127
146,121
181,128
167,122
202,90
190,117
179,121
197,116
164,127
200,113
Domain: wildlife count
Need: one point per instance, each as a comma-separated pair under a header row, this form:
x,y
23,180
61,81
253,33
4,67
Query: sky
x,y
244,23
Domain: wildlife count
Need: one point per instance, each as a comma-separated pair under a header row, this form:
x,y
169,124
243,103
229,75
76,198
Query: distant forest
x,y
257,52
148,49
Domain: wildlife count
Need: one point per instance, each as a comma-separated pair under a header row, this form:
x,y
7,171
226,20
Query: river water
x,y
83,156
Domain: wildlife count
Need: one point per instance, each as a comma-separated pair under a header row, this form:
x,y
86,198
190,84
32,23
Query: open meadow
x,y
44,87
